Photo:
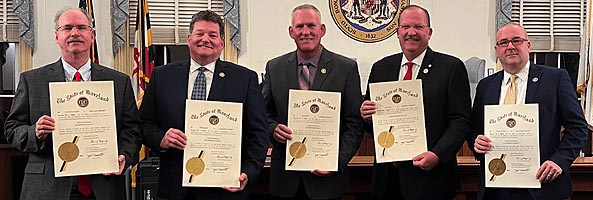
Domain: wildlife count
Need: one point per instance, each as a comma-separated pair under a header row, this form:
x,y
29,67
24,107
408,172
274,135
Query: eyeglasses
x,y
516,41
417,27
69,28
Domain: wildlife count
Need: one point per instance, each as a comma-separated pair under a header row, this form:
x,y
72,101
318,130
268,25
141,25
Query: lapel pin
x,y
323,70
221,74
429,65
426,70
535,79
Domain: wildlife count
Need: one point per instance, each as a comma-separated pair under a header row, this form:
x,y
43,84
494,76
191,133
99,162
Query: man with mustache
x,y
311,67
445,86
203,77
555,95
30,124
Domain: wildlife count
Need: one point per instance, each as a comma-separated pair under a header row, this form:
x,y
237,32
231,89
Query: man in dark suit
x,y
163,110
328,72
552,90
445,86
29,125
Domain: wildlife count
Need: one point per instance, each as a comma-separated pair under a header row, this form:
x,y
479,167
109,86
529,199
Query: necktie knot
x,y
77,77
408,75
511,97
305,76
202,69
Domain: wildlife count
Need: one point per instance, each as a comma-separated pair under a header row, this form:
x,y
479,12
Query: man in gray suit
x,y
29,125
325,71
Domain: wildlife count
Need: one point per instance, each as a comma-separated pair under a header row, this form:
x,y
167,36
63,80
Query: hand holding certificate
x,y
513,160
314,118
399,121
212,156
85,138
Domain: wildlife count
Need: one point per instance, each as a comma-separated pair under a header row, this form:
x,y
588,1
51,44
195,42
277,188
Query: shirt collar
x,y
521,75
313,61
194,66
417,60
85,70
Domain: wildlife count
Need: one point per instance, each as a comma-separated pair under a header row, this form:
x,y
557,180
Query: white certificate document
x,y
398,124
85,138
513,160
314,118
212,156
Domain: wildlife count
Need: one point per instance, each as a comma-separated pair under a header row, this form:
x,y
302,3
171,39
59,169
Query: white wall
x,y
47,51
464,28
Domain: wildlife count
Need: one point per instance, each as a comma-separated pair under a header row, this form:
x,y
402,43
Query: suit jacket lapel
x,y
397,66
56,72
181,83
493,97
426,66
324,65
291,71
97,73
532,83
219,77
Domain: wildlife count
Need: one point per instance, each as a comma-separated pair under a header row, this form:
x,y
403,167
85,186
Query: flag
x,y
88,6
585,70
143,63
143,51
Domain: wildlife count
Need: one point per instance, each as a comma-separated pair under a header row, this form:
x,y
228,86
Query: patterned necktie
x,y
511,97
408,75
199,91
304,77
77,77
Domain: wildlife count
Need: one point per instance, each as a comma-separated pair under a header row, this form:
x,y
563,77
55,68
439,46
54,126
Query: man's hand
x,y
174,138
426,160
243,180
548,172
321,173
121,159
482,144
44,126
367,109
282,133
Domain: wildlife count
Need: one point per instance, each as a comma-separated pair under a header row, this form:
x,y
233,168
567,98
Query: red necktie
x,y
408,75
77,77
84,182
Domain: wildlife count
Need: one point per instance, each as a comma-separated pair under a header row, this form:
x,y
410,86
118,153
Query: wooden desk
x,y
7,155
361,168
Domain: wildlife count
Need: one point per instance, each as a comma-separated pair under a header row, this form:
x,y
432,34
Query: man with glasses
x,y
552,90
29,125
445,86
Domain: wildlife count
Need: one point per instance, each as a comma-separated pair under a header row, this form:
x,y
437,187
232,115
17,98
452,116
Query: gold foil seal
x,y
68,152
386,139
195,166
497,166
297,150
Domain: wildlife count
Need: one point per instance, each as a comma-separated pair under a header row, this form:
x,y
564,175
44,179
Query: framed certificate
x,y
212,156
314,118
513,159
398,124
85,138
